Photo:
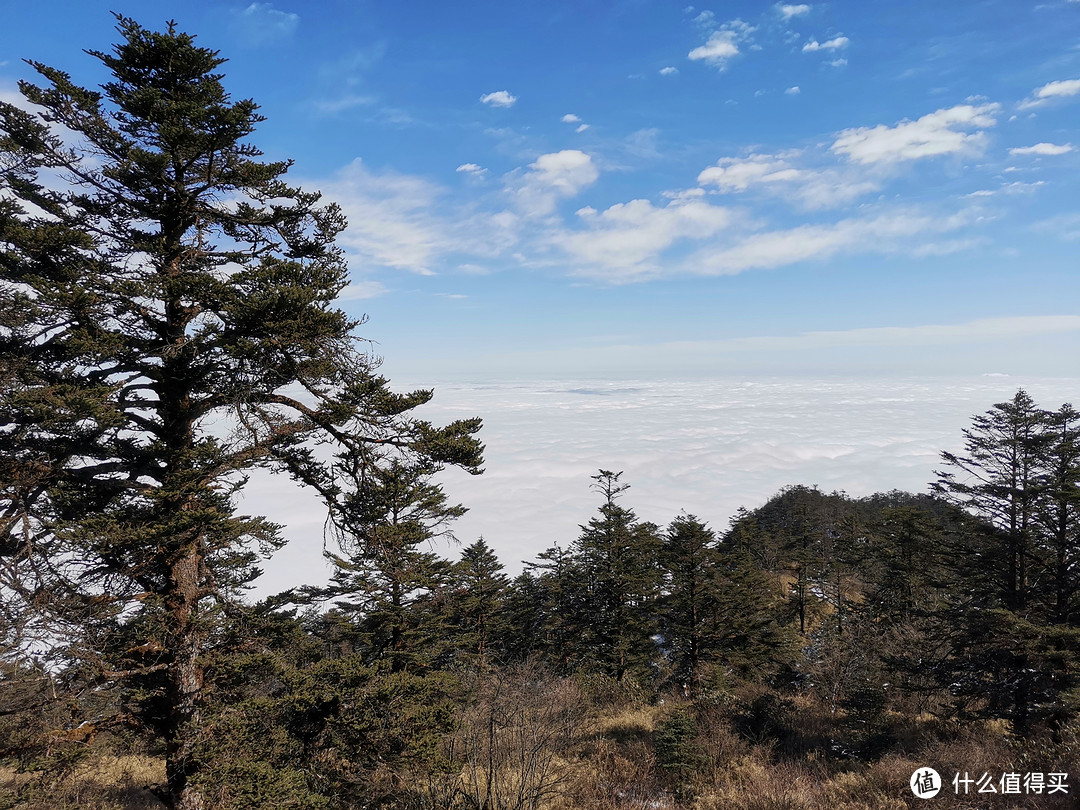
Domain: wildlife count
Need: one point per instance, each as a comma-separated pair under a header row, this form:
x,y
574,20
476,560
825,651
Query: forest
x,y
168,325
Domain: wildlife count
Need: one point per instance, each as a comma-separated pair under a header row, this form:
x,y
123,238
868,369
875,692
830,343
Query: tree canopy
x,y
168,323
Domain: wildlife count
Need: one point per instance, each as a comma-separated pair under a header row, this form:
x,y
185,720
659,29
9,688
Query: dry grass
x,y
630,722
103,782
610,764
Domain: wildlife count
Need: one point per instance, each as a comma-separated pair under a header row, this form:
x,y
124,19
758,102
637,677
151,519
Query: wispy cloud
x,y
1016,187
789,11
570,118
722,45
1042,149
1063,226
793,91
1048,92
779,174
261,23
738,174
334,106
471,169
392,218
361,291
500,98
624,242
668,71
938,133
834,44
894,231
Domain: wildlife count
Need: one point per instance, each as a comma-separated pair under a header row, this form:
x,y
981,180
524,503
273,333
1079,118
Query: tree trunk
x,y
185,682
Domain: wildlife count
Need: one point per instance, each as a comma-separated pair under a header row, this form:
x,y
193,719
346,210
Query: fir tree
x,y
618,561
1058,511
691,563
997,481
168,324
386,580
476,602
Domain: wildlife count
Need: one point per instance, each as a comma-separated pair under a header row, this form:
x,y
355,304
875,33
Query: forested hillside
x,y
169,324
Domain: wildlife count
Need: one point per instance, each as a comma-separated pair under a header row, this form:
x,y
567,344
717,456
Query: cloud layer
x,y
706,447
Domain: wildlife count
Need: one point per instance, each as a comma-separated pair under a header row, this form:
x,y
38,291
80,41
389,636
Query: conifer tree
x,y
168,323
1058,511
691,563
548,605
997,480
618,560
385,576
476,602
1012,656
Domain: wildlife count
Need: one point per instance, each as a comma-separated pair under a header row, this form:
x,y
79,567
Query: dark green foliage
x,y
476,610
385,581
289,721
1057,514
677,754
1013,646
161,309
548,606
617,563
690,607
997,481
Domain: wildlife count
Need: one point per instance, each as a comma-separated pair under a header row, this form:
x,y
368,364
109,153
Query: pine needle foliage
x,y
167,323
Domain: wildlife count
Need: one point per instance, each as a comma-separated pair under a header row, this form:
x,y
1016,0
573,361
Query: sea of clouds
x,y
704,446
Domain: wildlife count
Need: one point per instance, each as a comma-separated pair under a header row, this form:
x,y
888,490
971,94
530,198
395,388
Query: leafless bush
x,y
514,736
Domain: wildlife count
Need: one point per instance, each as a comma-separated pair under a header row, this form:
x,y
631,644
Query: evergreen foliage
x,y
617,560
168,324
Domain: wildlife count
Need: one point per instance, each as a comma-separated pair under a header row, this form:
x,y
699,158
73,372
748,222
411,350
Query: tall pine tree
x,y
168,323
618,560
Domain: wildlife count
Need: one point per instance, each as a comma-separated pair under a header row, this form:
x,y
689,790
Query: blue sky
x,y
645,188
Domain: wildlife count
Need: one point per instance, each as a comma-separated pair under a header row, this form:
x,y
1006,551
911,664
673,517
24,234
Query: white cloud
x,y
722,44
738,174
717,51
500,98
471,169
934,134
569,118
884,233
392,219
1048,92
984,329
262,23
581,128
668,71
705,19
834,44
1043,148
361,290
624,242
838,63
813,188
550,177
789,11
793,91
706,446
